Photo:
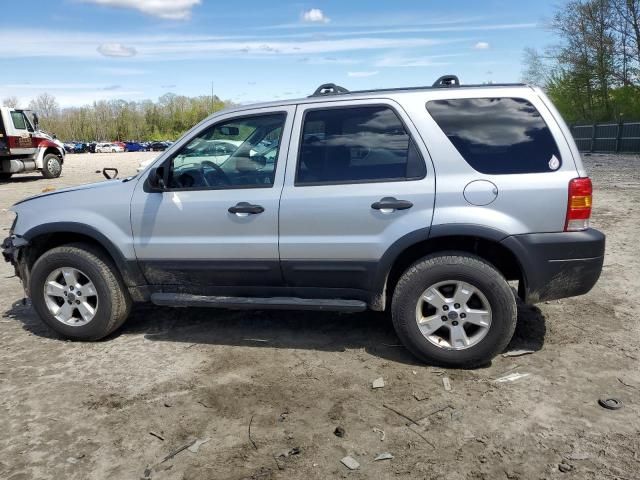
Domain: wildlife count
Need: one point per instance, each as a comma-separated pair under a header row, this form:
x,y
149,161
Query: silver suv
x,y
424,202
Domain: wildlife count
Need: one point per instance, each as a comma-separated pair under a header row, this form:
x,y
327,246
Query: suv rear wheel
x,y
51,166
454,309
77,292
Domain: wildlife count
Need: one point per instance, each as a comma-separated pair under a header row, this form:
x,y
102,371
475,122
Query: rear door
x,y
358,180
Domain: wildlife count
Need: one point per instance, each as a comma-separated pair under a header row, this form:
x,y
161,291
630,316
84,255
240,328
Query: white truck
x,y
25,148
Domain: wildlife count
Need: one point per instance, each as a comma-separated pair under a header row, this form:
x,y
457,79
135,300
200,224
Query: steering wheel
x,y
220,174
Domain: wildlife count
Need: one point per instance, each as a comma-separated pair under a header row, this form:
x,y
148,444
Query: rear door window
x,y
497,135
356,145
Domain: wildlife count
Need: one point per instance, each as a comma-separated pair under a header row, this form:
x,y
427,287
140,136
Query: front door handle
x,y
390,203
243,209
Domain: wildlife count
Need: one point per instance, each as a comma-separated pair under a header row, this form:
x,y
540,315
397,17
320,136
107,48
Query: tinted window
x,y
497,135
237,153
345,145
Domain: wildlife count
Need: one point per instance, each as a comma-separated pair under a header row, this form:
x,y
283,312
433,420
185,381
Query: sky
x,y
254,50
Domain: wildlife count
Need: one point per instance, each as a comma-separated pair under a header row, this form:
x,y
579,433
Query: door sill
x,y
258,303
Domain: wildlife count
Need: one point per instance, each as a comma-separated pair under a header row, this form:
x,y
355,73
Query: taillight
x,y
579,205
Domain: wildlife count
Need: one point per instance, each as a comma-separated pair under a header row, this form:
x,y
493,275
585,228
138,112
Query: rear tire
x,y
111,303
454,275
51,166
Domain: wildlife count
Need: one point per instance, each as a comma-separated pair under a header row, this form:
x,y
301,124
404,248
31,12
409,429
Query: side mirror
x,y
36,121
155,179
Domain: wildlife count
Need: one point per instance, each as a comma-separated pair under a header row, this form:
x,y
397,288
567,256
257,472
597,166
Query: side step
x,y
257,303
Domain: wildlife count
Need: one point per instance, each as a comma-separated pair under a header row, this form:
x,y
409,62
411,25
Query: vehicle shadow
x,y
322,331
22,179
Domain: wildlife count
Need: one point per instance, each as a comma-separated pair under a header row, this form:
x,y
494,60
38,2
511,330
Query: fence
x,y
608,137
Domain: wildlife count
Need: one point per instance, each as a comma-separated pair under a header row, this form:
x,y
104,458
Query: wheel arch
x,y
485,242
46,149
44,237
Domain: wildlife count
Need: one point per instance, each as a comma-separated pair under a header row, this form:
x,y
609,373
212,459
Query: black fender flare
x,y
129,269
388,259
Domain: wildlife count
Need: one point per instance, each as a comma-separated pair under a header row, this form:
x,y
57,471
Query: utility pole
x,y
212,96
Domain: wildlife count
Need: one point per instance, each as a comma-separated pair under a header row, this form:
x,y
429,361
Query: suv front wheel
x,y
454,309
77,292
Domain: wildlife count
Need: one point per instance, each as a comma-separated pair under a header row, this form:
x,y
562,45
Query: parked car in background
x,y
158,146
121,144
215,151
108,148
80,148
134,147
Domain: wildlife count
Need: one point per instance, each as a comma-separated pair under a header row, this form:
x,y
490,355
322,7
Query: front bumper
x,y
558,265
13,252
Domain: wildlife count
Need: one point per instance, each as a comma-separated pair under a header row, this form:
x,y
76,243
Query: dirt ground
x,y
268,389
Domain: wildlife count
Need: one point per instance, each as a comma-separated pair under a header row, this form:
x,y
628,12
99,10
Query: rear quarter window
x,y
497,135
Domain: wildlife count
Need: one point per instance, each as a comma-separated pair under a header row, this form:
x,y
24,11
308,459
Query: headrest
x,y
250,164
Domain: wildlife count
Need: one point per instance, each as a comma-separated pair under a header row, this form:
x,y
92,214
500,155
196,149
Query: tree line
x,y
593,73
165,119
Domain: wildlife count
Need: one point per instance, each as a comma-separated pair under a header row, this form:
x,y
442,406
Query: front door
x,y
359,181
214,228
20,132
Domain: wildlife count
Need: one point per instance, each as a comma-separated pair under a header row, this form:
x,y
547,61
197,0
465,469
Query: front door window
x,y
240,153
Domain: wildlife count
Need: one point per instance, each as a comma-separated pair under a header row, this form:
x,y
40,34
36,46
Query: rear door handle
x,y
391,203
243,209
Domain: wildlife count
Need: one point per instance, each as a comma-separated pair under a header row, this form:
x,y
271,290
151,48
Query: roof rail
x,y
447,81
329,89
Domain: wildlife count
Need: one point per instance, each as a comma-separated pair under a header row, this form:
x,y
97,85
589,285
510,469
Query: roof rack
x,y
446,81
329,89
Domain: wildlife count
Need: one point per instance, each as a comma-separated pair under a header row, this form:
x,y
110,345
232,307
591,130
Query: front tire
x,y
454,309
51,166
77,291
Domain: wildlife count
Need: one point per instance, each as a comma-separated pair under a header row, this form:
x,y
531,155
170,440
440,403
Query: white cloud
x,y
177,49
116,50
315,15
169,47
482,46
430,61
363,74
167,9
315,60
120,71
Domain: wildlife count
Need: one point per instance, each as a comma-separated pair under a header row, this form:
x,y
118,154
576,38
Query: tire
x,y
447,272
5,176
51,166
112,301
